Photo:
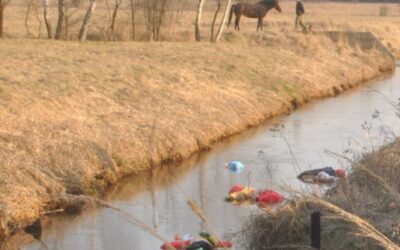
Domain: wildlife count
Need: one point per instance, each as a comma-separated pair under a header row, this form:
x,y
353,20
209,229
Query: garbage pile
x,y
203,241
242,195
326,175
239,194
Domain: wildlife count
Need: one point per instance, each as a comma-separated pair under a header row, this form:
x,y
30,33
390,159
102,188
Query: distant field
x,y
382,19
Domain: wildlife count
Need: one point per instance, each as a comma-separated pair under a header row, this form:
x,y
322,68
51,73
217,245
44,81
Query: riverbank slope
x,y
76,118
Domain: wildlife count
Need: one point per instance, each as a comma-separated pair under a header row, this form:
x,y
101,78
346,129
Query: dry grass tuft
x,y
360,213
289,227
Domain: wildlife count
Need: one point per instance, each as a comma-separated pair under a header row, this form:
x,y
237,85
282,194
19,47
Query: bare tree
x,y
38,18
176,14
60,19
215,20
28,11
222,25
198,20
3,5
133,17
86,19
117,3
154,14
46,4
32,5
70,8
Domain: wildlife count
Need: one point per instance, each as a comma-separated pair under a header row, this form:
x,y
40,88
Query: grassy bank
x,y
360,213
76,118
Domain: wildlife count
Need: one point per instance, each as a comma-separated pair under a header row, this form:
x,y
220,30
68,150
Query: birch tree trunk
x,y
46,5
60,20
198,20
221,27
85,24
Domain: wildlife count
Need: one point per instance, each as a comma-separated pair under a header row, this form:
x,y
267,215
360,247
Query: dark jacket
x,y
300,8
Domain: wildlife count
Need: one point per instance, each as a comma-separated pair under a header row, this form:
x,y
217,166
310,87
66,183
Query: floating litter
x,y
235,167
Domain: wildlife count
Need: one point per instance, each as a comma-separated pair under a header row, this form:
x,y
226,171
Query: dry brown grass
x,y
323,16
77,117
289,227
361,213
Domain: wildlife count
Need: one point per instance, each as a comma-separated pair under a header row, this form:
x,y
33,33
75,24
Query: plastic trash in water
x,y
269,197
235,167
236,188
322,175
204,241
241,194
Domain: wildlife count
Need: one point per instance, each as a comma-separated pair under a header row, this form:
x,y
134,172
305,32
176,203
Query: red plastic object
x,y
222,244
269,197
340,172
178,245
236,188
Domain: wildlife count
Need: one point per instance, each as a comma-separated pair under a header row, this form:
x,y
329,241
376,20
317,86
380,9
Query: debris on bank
x,y
203,241
239,195
326,175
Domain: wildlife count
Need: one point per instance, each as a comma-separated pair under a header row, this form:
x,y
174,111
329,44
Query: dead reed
x,y
200,213
359,213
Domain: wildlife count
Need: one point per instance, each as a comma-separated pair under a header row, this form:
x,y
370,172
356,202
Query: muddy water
x,y
159,199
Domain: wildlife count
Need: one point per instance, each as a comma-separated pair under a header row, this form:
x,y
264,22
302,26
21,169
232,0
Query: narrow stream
x,y
160,199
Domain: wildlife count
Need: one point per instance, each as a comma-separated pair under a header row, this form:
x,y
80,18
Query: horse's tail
x,y
230,14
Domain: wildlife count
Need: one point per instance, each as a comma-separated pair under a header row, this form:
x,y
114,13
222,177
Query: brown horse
x,y
258,10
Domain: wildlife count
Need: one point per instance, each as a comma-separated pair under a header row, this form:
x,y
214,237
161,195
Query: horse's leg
x,y
237,22
262,23
258,24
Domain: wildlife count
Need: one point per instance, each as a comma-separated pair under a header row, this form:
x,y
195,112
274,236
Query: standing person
x,y
299,15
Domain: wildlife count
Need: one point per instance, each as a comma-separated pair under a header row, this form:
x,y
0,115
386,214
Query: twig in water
x,y
52,212
294,159
129,218
195,208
